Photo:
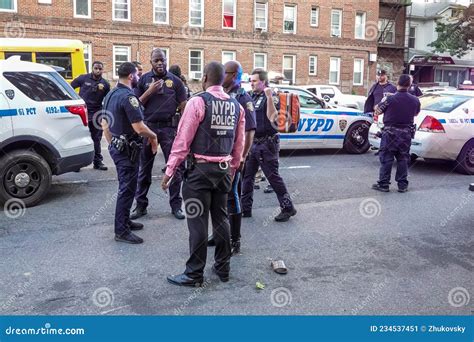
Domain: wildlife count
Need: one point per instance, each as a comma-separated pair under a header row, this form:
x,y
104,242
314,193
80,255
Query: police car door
x,y
316,126
6,114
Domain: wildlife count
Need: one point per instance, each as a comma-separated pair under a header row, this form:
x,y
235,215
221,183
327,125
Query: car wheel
x,y
465,160
357,138
25,176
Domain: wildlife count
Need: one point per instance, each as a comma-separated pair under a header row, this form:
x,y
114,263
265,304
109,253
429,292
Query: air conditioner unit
x,y
195,75
336,33
260,25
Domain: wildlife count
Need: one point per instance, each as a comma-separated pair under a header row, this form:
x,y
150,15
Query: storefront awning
x,y
431,60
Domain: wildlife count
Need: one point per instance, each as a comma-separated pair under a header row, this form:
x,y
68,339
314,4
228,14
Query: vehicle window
x,y
42,86
306,100
60,59
313,90
24,56
442,103
327,91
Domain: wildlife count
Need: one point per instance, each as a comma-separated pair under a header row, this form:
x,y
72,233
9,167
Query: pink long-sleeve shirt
x,y
188,125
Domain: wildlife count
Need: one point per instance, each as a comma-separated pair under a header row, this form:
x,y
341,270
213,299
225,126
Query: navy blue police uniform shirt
x,y
400,109
247,104
92,91
381,90
125,108
161,107
264,126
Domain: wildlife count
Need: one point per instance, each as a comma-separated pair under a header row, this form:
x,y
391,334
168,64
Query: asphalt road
x,y
349,250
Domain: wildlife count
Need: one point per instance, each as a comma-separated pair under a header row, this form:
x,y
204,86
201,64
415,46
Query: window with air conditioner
x,y
336,23
261,15
195,64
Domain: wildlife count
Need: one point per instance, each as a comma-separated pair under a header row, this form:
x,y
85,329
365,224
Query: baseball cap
x,y
381,72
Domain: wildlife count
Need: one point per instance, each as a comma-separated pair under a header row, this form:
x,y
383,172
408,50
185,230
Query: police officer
x,y
162,94
123,125
400,110
139,68
93,89
231,84
378,91
265,149
212,131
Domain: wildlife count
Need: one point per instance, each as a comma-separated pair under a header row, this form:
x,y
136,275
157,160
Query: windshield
x,y
444,103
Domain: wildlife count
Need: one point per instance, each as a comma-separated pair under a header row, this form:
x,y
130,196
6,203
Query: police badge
x,y
134,101
10,93
169,83
250,107
342,125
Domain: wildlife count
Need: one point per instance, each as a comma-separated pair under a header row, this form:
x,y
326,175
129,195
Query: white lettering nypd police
x,y
223,115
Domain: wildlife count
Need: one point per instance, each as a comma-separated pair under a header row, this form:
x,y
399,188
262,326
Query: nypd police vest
x,y
264,126
216,132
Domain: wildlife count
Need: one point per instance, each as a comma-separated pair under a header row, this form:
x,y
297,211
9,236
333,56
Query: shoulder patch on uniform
x,y
134,101
169,83
250,106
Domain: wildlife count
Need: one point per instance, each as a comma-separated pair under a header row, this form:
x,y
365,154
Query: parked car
x,y
333,95
43,130
444,129
323,125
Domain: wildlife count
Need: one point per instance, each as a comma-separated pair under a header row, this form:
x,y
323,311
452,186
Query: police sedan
x,y
326,126
444,129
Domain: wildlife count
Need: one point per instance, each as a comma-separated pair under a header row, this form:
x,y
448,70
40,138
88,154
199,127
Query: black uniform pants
x,y
205,191
96,135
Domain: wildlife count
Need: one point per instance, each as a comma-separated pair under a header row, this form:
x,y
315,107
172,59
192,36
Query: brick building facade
x,y
309,41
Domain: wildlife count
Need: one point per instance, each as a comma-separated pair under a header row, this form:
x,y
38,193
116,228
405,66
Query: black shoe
x,y
285,215
135,225
235,248
210,241
379,187
256,187
402,189
222,277
268,189
246,214
128,237
184,280
178,214
137,213
100,167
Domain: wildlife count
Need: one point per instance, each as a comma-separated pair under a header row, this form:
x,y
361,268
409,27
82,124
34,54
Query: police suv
x,y
43,130
444,129
326,126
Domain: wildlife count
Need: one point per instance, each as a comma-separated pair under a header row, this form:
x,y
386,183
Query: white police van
x,y
326,126
43,130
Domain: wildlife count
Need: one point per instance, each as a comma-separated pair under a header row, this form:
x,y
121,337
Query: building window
x,y
121,55
161,11
121,10
88,56
289,68
229,9
82,8
336,23
289,19
261,14
411,37
334,70
196,13
8,5
195,64
360,25
358,78
313,65
260,61
228,56
386,31
314,18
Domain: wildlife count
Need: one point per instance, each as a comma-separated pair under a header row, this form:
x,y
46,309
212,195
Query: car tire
x,y
465,159
357,138
25,176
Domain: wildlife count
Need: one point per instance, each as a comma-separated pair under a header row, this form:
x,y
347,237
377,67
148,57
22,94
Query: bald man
x,y
231,84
